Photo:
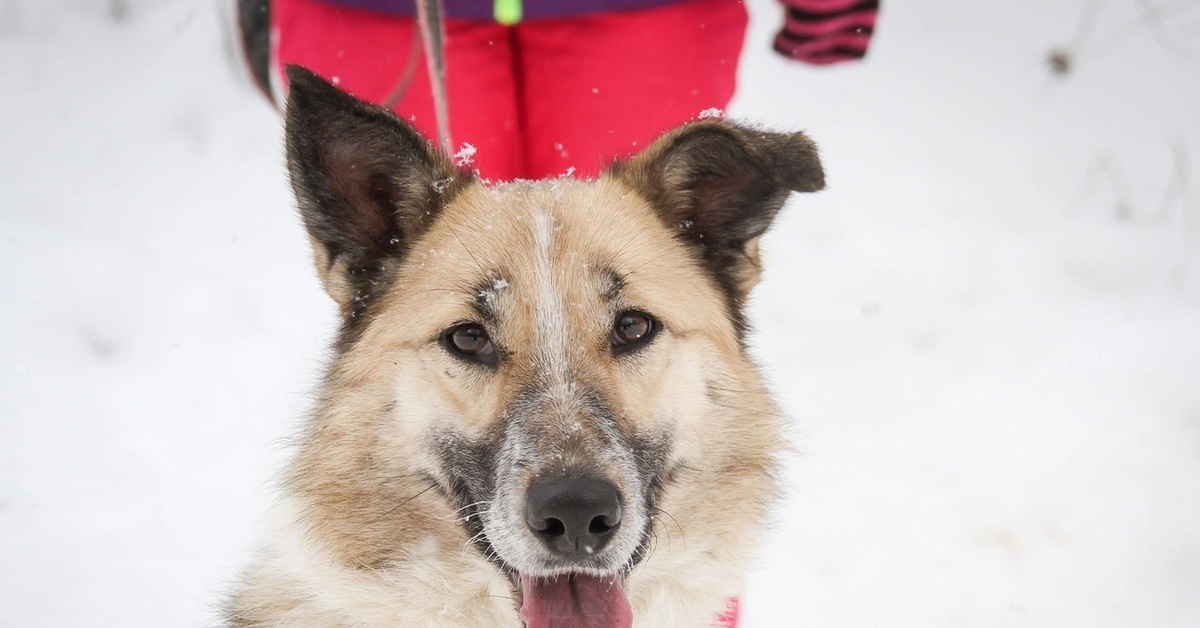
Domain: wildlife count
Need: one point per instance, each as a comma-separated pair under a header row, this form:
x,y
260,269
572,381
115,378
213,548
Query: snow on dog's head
x,y
546,378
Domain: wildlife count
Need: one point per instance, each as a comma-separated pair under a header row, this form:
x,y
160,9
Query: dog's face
x,y
545,363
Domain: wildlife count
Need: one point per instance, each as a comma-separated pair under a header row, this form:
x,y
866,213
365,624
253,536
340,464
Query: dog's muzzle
x,y
569,514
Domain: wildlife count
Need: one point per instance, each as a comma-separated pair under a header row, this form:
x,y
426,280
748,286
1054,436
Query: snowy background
x,y
987,328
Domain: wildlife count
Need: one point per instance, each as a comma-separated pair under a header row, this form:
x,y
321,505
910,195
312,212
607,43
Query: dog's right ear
x,y
367,183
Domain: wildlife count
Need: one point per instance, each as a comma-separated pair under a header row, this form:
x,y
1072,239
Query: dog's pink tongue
x,y
575,601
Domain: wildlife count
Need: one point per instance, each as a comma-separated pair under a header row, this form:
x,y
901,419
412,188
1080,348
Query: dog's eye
x,y
471,342
632,329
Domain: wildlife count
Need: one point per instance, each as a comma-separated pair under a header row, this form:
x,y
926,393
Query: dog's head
x,y
557,363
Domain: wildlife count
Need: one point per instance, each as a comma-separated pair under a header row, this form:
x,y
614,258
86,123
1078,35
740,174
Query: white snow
x,y
987,328
465,155
440,185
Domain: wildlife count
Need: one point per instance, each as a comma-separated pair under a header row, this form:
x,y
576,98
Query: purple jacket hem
x,y
481,10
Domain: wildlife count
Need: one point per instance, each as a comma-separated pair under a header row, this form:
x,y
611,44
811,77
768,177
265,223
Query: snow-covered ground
x,y
987,328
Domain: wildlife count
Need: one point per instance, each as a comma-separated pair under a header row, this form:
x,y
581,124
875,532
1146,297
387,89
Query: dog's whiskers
x,y
393,509
621,249
627,566
654,544
660,511
654,535
485,502
489,553
649,261
473,259
475,537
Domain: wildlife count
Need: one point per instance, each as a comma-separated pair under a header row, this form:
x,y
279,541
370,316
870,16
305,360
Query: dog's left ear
x,y
719,185
368,184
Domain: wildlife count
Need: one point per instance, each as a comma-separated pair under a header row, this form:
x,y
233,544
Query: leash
x,y
431,24
410,70
433,33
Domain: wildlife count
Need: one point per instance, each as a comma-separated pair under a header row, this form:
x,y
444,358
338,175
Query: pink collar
x,y
729,617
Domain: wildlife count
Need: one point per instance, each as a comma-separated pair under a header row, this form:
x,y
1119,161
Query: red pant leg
x,y
602,86
365,53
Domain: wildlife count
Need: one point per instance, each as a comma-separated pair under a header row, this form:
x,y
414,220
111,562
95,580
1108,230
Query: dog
x,y
540,410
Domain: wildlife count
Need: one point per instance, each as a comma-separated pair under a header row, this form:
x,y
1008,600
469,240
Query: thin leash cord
x,y
430,32
433,33
410,70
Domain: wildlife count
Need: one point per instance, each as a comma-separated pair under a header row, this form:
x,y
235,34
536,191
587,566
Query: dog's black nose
x,y
573,515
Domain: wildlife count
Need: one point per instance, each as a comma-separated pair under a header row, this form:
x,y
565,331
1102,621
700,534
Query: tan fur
x,y
384,396
366,534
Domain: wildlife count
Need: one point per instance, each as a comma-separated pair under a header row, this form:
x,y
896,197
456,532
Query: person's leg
x,y
253,24
600,87
367,53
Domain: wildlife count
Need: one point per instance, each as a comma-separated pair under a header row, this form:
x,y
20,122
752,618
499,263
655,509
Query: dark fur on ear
x,y
719,185
367,183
